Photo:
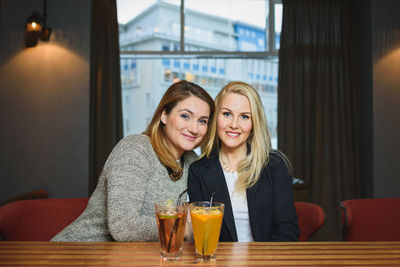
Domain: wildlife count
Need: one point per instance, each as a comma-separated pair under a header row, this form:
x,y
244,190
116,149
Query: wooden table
x,y
147,253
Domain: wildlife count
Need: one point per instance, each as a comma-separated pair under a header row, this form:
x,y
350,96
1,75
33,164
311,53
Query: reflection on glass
x,y
225,25
143,20
128,9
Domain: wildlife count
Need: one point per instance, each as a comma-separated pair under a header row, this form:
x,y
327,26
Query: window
x,y
217,43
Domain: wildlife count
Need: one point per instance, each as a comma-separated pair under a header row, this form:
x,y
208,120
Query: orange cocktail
x,y
206,222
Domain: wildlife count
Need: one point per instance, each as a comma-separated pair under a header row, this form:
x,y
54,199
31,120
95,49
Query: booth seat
x,y
40,219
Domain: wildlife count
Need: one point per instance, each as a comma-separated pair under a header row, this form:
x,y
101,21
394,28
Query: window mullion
x,y
182,39
198,54
271,26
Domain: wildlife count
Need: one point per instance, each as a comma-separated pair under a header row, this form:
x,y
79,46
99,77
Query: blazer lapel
x,y
215,176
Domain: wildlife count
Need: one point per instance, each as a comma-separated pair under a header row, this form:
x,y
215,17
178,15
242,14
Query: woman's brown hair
x,y
176,93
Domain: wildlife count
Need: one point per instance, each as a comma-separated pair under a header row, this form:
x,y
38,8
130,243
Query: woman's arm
x,y
128,175
285,217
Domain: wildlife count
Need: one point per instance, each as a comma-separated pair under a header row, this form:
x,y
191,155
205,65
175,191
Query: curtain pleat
x,y
318,101
105,87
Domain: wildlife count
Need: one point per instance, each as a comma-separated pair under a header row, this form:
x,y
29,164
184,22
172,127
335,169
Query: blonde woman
x,y
144,169
252,180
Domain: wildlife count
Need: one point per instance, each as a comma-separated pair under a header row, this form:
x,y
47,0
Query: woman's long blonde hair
x,y
250,167
176,93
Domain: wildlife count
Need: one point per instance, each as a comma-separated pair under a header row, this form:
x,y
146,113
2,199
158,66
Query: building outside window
x,y
214,46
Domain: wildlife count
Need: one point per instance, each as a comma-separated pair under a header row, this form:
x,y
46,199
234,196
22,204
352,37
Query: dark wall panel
x,y
44,100
386,96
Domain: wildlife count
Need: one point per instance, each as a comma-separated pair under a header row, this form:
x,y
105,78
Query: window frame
x,y
270,52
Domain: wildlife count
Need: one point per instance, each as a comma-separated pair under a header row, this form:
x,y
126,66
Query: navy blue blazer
x,y
270,201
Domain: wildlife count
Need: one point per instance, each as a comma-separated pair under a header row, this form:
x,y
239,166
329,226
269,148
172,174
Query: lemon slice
x,y
168,216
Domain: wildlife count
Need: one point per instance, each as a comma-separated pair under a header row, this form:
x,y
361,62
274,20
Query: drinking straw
x,y
212,195
174,228
178,202
206,234
162,232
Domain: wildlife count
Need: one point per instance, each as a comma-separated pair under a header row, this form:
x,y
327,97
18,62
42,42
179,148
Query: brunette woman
x,y
144,169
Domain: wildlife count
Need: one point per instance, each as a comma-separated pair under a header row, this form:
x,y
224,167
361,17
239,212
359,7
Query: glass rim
x,y
208,202
163,203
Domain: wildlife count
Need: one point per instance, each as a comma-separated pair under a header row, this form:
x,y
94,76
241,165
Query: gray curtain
x,y
318,101
105,87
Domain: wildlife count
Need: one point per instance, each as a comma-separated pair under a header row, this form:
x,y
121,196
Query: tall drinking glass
x,y
171,222
206,222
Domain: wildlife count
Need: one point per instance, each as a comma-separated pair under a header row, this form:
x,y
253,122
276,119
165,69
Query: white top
x,y
239,208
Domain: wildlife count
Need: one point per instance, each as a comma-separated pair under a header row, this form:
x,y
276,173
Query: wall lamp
x,y
36,28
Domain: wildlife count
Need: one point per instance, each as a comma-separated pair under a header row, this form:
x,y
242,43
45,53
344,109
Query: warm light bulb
x,y
33,30
33,27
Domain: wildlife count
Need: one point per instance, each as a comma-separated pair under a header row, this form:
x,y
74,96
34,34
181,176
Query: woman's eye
x,y
226,114
245,117
185,116
204,122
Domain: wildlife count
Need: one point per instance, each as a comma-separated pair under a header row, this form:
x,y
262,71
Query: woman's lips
x,y
233,134
190,137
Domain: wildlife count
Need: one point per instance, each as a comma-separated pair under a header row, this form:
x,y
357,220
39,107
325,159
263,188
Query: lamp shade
x,y
33,29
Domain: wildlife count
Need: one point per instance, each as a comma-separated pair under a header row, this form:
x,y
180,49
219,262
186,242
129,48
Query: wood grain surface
x,y
228,254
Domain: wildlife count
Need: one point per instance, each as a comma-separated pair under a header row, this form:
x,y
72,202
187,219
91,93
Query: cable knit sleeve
x,y
128,172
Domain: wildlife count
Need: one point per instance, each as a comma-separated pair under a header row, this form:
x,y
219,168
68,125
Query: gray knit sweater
x,y
122,206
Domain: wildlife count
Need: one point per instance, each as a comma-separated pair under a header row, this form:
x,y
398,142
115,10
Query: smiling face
x,y
186,124
234,123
